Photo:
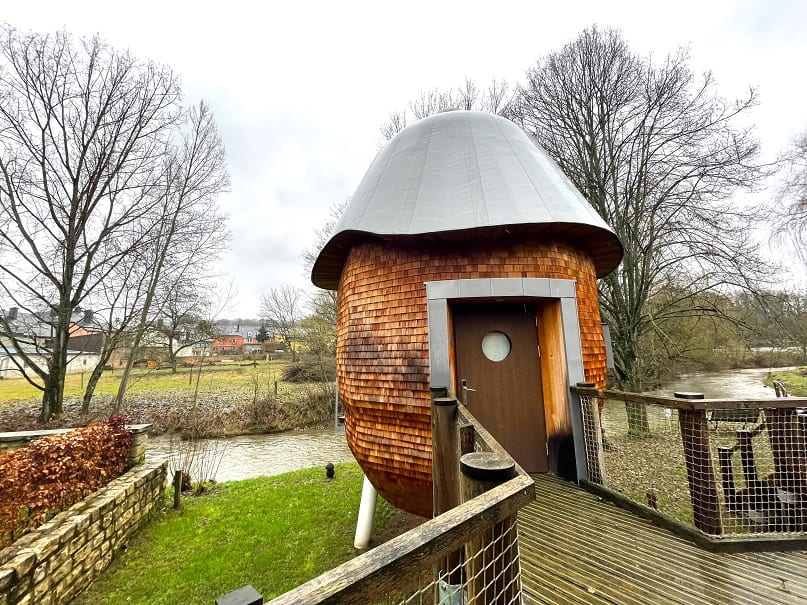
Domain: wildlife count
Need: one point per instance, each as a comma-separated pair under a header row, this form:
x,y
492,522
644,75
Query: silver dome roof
x,y
459,172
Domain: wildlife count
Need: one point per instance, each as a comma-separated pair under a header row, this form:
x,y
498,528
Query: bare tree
x,y
191,232
180,324
323,233
282,310
497,98
83,129
660,156
792,195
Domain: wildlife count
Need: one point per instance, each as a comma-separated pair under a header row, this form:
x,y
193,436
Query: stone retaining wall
x,y
56,561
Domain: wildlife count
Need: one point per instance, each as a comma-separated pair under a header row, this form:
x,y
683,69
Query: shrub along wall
x,y
54,472
53,563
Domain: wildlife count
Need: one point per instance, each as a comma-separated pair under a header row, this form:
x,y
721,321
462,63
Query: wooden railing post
x,y
700,471
491,565
746,446
177,487
467,438
446,471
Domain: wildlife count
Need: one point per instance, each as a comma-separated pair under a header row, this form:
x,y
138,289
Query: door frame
x,y
439,295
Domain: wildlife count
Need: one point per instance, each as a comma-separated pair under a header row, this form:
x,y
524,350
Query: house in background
x,y
35,335
238,339
12,364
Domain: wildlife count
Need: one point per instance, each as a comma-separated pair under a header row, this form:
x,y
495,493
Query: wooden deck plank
x,y
575,548
652,545
636,550
684,554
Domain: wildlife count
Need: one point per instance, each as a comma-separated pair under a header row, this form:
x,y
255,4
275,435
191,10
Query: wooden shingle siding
x,y
382,345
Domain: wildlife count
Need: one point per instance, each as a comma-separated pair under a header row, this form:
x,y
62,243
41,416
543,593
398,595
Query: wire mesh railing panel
x,y
762,468
736,470
644,459
485,571
592,438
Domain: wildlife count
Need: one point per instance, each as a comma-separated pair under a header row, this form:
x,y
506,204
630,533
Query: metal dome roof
x,y
462,172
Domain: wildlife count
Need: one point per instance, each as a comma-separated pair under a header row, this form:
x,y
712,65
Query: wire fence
x,y
727,467
486,571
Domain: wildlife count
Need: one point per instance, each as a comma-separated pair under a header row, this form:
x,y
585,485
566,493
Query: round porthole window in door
x,y
496,346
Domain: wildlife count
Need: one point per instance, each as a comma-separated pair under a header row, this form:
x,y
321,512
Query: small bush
x,y
310,369
53,473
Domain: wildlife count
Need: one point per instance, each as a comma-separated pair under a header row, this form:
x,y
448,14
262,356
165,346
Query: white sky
x,y
299,90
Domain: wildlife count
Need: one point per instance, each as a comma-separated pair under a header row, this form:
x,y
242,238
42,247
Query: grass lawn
x,y
795,381
274,533
241,375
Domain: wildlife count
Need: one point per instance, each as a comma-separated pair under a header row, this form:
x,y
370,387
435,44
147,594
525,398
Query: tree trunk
x,y
53,395
92,382
628,379
124,380
95,376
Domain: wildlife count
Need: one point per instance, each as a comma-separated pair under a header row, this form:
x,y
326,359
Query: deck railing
x,y
467,554
733,470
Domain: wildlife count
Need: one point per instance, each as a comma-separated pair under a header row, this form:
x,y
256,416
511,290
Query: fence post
x,y
592,436
467,438
746,447
445,470
177,488
700,472
491,558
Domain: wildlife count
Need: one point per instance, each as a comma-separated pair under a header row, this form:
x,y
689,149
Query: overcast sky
x,y
300,89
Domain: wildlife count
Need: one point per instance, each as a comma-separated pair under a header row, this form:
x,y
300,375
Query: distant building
x,y
11,361
236,339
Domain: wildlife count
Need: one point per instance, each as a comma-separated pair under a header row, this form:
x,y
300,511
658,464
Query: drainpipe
x,y
364,525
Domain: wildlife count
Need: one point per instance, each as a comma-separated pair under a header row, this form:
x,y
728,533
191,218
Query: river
x,y
737,384
237,458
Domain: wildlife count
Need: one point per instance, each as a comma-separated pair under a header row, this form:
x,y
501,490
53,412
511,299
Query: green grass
x,y
795,381
236,375
273,533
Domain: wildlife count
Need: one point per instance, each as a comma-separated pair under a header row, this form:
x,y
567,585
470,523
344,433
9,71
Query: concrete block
x,y
506,286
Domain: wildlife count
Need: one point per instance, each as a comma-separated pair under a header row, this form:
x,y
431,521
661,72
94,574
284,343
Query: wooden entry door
x,y
496,351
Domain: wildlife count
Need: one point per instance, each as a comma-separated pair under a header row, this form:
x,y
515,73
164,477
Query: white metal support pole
x,y
364,525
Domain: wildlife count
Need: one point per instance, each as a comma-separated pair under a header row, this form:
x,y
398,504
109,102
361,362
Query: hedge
x,y
53,473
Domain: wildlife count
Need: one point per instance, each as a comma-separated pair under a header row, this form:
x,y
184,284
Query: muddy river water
x,y
248,456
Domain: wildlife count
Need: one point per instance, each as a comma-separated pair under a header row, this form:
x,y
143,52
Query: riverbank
x,y
794,379
225,411
219,400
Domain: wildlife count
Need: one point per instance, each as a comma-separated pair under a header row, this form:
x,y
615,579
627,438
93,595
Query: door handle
x,y
465,390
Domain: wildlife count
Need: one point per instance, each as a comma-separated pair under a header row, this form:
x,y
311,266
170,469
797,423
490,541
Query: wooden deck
x,y
576,549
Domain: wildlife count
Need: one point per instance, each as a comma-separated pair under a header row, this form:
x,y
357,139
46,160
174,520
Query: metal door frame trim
x,y
440,293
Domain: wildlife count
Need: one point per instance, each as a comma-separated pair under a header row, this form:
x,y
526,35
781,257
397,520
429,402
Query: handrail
x,y
402,558
693,404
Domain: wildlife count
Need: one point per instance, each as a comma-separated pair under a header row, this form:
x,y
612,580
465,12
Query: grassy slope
x,y
241,375
795,381
274,533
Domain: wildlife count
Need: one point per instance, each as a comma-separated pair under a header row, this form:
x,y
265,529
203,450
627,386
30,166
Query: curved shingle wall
x,y
382,348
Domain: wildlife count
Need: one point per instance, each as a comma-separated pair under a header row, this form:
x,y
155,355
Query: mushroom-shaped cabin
x,y
466,259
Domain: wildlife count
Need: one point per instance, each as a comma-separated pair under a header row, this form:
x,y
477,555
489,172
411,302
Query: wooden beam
x,y
391,565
